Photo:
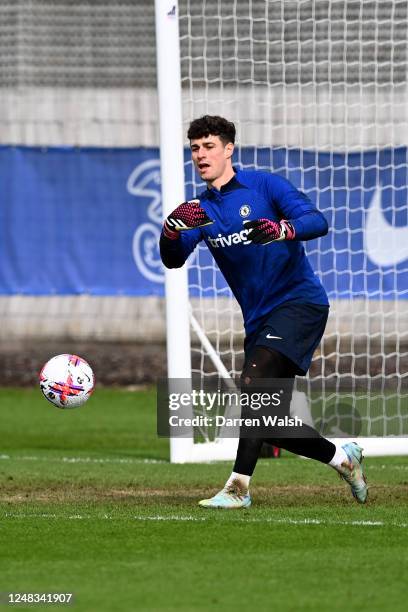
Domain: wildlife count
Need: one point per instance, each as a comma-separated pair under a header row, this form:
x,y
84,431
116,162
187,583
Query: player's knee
x,y
265,363
249,373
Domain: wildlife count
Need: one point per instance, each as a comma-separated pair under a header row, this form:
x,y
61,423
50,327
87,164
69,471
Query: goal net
x,y
318,92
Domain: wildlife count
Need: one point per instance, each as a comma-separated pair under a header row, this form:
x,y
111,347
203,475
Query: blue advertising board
x,y
88,220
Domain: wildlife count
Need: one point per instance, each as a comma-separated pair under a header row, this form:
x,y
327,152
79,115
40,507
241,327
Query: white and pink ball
x,y
67,381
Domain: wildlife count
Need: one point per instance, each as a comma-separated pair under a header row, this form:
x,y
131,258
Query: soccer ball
x,y
67,381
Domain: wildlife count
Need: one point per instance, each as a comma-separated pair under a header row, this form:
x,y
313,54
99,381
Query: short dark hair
x,y
214,125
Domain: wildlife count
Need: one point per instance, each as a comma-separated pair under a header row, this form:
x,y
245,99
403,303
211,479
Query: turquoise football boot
x,y
231,497
352,471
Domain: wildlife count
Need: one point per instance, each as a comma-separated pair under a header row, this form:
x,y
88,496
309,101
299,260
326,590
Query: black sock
x,y
313,445
247,455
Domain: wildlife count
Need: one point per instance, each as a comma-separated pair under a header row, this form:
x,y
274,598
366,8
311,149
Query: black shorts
x,y
294,329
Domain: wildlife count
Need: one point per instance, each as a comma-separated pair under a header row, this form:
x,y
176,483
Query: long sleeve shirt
x,y
261,277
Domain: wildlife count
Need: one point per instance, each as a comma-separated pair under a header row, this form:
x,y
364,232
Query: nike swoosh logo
x,y
273,337
384,244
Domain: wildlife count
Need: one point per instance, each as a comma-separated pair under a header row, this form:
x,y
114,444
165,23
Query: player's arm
x,y
300,218
181,233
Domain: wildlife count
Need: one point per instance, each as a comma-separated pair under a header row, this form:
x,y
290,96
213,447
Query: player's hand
x,y
264,231
187,216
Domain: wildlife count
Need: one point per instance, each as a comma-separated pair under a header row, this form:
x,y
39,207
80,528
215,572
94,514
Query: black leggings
x,y
267,363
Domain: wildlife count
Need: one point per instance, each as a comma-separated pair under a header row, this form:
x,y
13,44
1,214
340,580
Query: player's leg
x,y
346,459
296,329
267,363
262,364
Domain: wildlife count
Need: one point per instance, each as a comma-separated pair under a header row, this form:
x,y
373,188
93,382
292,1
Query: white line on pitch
x,y
79,459
197,519
124,460
387,467
285,521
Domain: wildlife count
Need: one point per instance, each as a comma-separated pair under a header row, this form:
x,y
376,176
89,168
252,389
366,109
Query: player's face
x,y
211,157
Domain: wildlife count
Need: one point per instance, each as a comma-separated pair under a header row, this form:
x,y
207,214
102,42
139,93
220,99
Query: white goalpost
x,y
318,94
178,311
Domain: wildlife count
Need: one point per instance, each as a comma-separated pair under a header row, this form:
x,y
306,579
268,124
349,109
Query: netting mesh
x,y
268,43
317,91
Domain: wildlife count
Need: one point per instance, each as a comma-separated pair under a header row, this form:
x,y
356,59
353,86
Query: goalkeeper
x,y
254,222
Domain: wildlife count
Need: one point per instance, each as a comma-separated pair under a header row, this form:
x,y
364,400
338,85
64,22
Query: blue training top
x,y
260,276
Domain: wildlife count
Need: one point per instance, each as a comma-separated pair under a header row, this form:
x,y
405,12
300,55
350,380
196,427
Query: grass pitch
x,y
90,505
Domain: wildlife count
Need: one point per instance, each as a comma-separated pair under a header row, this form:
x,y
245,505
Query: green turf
x,y
90,505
